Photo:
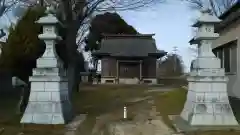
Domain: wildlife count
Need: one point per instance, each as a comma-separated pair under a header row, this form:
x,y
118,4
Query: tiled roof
x,y
129,46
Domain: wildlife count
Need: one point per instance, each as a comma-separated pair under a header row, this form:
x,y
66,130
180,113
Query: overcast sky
x,y
171,22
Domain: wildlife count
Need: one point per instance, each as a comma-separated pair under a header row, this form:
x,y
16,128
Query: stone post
x,y
0,50
49,100
207,101
117,72
140,74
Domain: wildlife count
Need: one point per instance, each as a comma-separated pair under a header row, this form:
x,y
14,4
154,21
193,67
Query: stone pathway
x,y
146,122
71,128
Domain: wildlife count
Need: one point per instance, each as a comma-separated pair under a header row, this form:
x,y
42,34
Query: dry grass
x,y
91,99
96,101
170,103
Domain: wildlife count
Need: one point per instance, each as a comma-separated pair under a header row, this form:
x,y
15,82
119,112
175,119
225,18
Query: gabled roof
x,y
108,36
129,46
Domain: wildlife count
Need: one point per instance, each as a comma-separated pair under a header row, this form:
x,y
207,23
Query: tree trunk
x,y
24,97
71,78
71,47
77,78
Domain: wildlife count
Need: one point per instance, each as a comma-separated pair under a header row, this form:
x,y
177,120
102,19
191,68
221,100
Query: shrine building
x,y
128,59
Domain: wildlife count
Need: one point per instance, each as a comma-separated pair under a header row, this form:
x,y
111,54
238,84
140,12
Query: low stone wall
x,y
108,80
128,81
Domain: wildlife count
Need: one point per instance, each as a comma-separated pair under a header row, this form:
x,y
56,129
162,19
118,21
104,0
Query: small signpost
x,y
125,112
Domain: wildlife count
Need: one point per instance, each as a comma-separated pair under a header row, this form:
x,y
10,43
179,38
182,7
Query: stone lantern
x,y
207,101
49,100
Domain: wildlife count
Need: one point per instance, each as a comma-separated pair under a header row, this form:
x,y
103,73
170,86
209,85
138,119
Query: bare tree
x,y
5,6
171,66
15,7
217,6
74,14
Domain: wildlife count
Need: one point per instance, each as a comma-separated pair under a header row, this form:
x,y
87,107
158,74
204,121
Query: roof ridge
x,y
127,35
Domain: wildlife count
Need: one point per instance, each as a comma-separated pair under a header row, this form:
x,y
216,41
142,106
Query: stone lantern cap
x,y
206,18
49,19
51,36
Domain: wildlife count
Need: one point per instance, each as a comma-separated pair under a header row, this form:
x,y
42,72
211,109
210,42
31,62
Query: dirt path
x,y
144,120
106,110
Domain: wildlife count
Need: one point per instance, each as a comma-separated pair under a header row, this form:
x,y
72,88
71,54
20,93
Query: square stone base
x,y
47,113
183,126
48,101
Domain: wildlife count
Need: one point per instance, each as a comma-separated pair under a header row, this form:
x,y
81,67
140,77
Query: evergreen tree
x,y
107,23
23,47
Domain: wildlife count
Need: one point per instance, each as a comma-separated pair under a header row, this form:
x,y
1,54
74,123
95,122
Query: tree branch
x,y
90,9
135,4
217,6
67,9
6,6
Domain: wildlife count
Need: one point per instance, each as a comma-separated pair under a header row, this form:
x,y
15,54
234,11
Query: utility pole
x,y
175,48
